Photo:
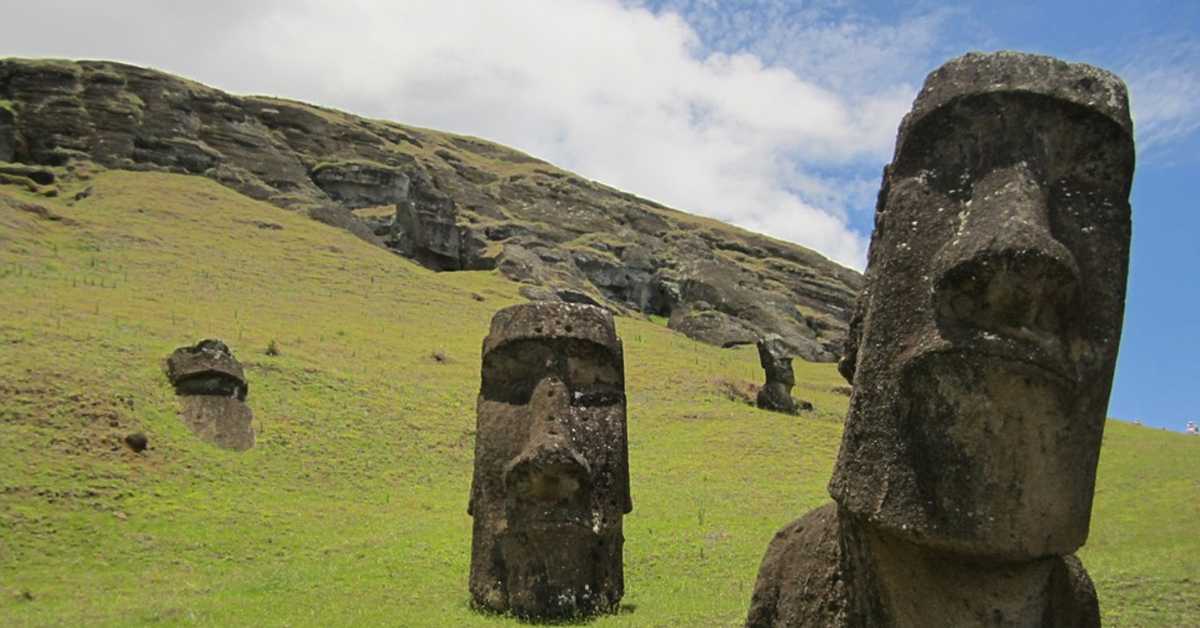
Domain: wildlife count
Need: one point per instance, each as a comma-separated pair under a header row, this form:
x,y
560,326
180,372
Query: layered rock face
x,y
452,202
551,483
981,358
212,386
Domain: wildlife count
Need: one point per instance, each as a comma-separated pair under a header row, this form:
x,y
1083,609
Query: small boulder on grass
x,y
137,442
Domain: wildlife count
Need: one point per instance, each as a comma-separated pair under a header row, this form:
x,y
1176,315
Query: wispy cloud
x,y
634,95
1164,85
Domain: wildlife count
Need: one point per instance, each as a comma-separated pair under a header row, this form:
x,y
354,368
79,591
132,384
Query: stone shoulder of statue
x,y
800,581
818,571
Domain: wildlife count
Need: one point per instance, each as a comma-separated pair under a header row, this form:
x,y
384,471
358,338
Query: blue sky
x,y
1155,46
775,115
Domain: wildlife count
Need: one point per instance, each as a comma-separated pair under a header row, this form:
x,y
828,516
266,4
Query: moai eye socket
x,y
511,372
592,376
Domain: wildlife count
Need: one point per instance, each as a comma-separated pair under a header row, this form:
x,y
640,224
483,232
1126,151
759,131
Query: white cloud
x,y
618,93
1164,90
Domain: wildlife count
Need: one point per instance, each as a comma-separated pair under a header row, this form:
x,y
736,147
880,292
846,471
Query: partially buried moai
x,y
981,358
776,393
551,480
212,386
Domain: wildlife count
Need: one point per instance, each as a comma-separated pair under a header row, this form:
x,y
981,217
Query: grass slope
x,y
352,507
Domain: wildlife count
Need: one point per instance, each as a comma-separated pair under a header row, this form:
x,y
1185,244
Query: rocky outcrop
x,y
452,202
8,139
361,184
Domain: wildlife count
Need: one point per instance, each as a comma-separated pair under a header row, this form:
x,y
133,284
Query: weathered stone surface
x,y
212,387
830,568
344,219
461,203
551,482
981,358
8,134
776,393
357,184
136,442
700,322
207,368
223,421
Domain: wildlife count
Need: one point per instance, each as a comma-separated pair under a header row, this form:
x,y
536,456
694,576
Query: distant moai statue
x,y
551,482
213,388
776,393
981,356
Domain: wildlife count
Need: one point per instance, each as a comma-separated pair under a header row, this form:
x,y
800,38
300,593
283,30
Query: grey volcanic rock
x,y
357,184
460,203
345,219
776,393
551,483
698,320
207,368
212,387
981,360
8,133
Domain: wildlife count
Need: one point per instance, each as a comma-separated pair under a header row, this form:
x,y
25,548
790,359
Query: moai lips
x,y
981,358
551,481
212,386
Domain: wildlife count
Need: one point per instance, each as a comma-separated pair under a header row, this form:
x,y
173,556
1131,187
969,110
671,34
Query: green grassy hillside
x,y
351,509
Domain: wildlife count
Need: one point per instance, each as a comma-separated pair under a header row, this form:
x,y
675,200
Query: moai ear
x,y
848,363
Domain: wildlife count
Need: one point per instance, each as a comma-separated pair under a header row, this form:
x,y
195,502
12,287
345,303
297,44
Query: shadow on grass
x,y
623,609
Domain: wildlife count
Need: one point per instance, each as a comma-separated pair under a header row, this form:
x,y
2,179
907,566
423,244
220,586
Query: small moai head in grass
x,y
212,386
776,360
207,368
551,481
983,350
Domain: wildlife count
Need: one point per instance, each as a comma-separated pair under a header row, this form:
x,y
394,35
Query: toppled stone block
x,y
551,482
213,388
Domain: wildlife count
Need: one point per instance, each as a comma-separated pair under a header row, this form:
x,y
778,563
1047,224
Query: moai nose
x,y
548,469
548,473
550,403
1004,271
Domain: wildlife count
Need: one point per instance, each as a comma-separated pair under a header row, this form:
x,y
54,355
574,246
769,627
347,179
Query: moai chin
x,y
551,481
981,358
776,393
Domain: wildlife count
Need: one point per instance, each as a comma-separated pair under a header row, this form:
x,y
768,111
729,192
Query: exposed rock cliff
x,y
452,202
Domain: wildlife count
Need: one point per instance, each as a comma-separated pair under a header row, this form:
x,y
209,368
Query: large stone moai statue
x,y
212,386
981,358
551,480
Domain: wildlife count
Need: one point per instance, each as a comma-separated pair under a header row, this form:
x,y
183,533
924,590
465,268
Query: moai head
x,y
207,368
212,387
982,355
551,463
